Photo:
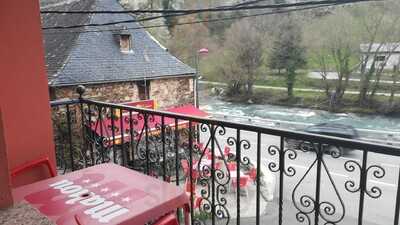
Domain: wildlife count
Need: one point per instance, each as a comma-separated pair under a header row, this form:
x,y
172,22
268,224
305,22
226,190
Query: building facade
x,y
386,55
116,63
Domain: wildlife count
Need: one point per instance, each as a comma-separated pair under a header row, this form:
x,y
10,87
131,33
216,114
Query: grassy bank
x,y
273,79
303,81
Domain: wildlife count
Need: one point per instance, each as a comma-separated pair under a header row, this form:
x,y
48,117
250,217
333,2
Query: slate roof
x,y
95,57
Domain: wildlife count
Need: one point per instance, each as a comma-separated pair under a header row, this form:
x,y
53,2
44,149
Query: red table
x,y
105,193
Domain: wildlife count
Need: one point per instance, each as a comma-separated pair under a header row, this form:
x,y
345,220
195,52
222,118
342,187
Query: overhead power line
x,y
199,21
214,9
187,12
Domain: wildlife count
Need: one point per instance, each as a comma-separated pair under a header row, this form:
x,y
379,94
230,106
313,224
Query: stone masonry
x,y
172,92
167,92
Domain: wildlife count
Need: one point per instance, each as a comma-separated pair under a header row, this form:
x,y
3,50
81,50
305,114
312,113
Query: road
x,y
334,76
297,89
376,211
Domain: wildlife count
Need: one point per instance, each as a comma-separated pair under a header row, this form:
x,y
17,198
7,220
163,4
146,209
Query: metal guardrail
x,y
158,143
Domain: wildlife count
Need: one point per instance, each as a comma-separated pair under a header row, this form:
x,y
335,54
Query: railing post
x,y
238,159
122,132
146,128
258,178
281,176
100,108
363,183
71,148
397,208
320,154
113,134
176,152
163,148
132,144
191,171
92,135
81,90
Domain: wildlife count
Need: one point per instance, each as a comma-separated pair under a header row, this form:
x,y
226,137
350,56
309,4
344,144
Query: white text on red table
x,y
100,209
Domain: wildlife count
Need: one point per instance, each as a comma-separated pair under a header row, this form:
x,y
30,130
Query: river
x,y
297,118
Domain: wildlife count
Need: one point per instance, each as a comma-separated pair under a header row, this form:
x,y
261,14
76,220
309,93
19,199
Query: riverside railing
x,y
307,190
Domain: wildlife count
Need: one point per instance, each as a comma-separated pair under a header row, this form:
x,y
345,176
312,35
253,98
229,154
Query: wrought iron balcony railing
x,y
230,168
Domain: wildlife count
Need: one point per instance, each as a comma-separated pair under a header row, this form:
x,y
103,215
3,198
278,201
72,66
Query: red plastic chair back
x,y
209,155
197,202
227,150
185,166
29,165
243,181
253,174
201,146
187,186
231,166
218,165
169,219
195,174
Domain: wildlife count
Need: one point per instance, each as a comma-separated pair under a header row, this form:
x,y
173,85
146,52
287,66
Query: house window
x,y
380,58
143,89
125,42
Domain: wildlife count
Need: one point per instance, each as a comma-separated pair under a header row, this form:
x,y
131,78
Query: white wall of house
x,y
392,61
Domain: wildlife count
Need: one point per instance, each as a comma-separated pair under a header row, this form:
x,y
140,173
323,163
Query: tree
x,y
231,74
334,49
395,77
379,23
187,40
288,52
243,44
347,41
276,63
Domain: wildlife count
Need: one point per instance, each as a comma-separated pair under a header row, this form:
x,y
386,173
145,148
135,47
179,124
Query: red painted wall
x,y
24,98
5,184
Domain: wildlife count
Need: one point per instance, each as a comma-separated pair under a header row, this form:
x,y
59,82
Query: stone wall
x,y
166,92
172,92
112,92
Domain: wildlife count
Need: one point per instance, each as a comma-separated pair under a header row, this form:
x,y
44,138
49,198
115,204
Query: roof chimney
x,y
125,42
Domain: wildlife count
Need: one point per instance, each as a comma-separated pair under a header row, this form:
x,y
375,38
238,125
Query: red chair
x,y
197,200
243,182
185,166
187,186
218,165
195,175
253,174
186,169
201,146
231,166
209,155
169,219
29,165
227,151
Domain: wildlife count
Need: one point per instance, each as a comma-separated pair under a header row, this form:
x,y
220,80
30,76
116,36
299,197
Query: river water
x,y
266,114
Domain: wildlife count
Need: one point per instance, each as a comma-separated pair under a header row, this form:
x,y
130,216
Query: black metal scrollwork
x,y
376,171
210,177
290,154
304,203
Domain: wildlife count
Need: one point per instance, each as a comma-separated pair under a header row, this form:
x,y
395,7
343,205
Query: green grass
x,y
305,99
302,81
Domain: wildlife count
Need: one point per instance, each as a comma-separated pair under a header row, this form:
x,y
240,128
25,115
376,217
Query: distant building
x,y
379,54
116,64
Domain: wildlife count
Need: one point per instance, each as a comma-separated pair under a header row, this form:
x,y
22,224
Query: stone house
x,y
116,63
